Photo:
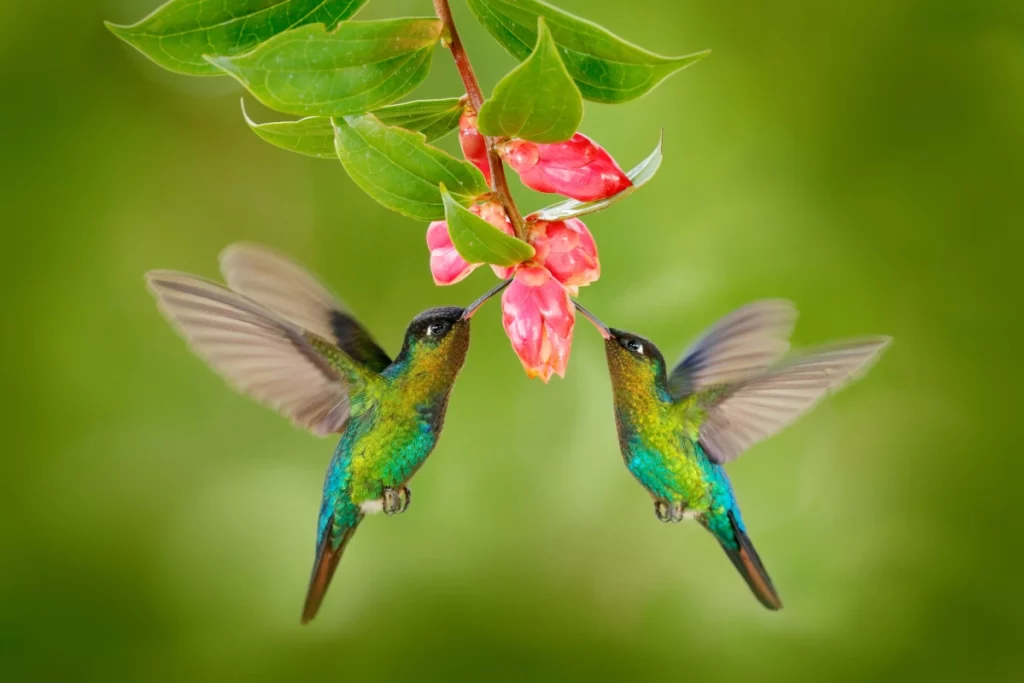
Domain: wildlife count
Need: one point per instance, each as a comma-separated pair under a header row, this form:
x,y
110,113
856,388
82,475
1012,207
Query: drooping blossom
x,y
537,310
578,168
567,250
538,317
446,264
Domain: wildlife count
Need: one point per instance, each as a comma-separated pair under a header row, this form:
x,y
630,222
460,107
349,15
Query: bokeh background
x,y
864,158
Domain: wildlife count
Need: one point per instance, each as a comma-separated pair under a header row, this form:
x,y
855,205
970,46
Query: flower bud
x,y
472,142
567,250
538,317
578,168
446,264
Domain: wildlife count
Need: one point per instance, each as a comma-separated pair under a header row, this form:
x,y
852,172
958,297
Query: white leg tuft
x,y
372,507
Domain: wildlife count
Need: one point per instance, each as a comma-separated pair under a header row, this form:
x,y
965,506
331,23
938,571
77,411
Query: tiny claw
x,y
670,511
396,501
661,511
677,511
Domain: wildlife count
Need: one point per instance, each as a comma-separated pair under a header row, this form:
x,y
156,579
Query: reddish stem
x,y
499,183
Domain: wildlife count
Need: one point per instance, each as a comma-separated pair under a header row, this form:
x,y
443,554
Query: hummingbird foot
x,y
670,511
396,501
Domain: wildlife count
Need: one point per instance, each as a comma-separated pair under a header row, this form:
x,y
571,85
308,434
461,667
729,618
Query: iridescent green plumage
x,y
395,418
279,336
731,389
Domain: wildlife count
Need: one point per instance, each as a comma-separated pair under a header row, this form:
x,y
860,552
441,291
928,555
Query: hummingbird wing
x,y
258,352
741,415
740,345
288,289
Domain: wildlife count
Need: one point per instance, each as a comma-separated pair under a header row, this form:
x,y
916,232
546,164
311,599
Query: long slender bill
x,y
601,327
475,306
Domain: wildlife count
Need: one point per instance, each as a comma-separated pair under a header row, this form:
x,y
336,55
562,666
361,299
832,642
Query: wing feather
x,y
258,352
738,346
289,290
754,410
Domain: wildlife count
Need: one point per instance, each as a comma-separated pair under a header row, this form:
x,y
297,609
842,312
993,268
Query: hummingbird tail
x,y
327,557
747,562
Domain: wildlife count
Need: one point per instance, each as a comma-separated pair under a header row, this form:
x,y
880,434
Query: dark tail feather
x,y
750,568
327,558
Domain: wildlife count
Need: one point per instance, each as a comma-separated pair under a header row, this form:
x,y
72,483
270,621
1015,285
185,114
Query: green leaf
x,y
572,208
433,118
478,241
179,33
314,135
606,68
359,66
537,101
400,170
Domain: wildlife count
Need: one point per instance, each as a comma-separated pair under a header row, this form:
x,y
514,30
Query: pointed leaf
x,y
314,135
178,34
400,170
571,208
537,101
433,118
478,241
606,68
359,66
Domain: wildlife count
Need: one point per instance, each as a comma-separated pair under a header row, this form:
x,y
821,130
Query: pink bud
x,y
538,317
472,142
446,265
577,168
567,250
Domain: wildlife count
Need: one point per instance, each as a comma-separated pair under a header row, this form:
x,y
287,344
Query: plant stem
x,y
499,183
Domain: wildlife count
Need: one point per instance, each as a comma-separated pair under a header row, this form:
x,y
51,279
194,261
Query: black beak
x,y
601,327
468,312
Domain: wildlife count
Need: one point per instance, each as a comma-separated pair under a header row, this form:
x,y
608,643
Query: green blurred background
x,y
865,159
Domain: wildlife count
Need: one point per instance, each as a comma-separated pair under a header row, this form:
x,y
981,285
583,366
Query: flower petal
x,y
446,265
578,168
539,317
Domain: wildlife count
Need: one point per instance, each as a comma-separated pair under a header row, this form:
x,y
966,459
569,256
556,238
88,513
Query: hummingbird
x,y
277,334
735,386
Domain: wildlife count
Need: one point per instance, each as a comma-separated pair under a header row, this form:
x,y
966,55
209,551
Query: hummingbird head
x,y
437,339
633,361
632,356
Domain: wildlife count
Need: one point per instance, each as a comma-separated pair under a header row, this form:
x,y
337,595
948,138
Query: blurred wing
x,y
739,346
758,408
289,290
257,352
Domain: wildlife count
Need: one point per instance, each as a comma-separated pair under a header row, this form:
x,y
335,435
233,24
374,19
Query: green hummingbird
x,y
733,388
278,335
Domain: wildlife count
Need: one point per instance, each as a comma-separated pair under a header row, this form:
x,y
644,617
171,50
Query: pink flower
x,y
472,142
446,264
567,250
577,168
538,317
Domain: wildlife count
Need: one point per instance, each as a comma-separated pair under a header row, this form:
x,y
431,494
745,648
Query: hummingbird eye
x,y
436,329
635,346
